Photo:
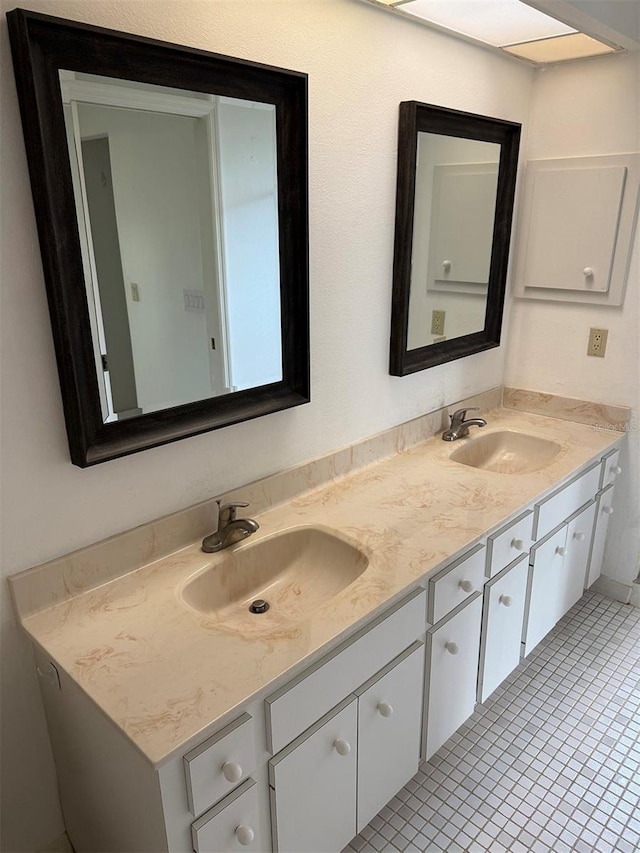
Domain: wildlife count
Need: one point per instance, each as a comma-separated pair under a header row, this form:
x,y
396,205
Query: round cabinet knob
x,y
616,470
446,265
561,551
518,544
579,536
608,510
506,600
452,648
385,709
587,272
232,771
244,835
466,586
342,747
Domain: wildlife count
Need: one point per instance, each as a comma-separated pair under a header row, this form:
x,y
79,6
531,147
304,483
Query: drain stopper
x,y
259,606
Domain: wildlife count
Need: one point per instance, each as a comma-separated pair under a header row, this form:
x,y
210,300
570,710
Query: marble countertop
x,y
163,673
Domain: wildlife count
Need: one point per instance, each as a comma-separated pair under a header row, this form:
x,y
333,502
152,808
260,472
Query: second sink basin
x,y
507,452
295,572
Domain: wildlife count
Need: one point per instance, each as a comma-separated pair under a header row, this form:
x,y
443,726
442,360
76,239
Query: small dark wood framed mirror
x,y
454,207
170,188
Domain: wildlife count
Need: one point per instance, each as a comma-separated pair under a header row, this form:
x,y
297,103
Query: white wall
x,y
362,62
581,109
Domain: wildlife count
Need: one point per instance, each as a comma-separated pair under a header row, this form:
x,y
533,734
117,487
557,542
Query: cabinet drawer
x,y
555,509
300,703
506,544
220,763
455,583
610,469
503,616
389,731
231,825
313,785
452,673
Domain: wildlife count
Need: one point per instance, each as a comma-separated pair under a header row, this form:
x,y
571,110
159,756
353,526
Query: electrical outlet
x,y
135,292
437,322
597,342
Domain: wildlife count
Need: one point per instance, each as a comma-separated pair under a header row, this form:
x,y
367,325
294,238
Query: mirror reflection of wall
x,y
168,184
455,197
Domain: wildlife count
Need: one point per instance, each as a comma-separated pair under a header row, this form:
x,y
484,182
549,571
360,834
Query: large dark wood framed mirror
x,y
170,188
454,206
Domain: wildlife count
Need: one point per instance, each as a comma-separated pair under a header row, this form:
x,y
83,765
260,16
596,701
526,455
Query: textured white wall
x,y
361,63
581,109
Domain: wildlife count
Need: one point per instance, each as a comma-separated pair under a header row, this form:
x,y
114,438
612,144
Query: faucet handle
x,y
227,512
458,416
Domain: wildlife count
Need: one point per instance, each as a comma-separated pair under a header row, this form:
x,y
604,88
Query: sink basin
x,y
507,452
295,572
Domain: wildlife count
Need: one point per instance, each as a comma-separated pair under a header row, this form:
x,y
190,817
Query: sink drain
x,y
259,606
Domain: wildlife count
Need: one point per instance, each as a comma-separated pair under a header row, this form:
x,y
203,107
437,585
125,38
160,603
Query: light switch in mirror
x,y
170,192
456,185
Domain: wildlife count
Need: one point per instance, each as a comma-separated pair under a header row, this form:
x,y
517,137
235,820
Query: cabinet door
x,y
579,537
389,730
231,825
545,584
503,615
604,510
313,785
452,673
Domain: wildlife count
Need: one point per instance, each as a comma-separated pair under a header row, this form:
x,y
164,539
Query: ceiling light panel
x,y
574,46
495,22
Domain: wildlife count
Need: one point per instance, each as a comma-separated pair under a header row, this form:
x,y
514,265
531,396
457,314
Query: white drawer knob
x,y
616,470
385,709
342,746
587,272
579,536
518,544
452,648
232,771
244,835
608,510
506,600
446,265
466,586
561,551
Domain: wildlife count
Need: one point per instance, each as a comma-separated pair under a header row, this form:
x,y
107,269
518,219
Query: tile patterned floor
x,y
551,762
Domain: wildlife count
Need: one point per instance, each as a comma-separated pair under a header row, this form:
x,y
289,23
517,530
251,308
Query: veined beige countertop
x,y
163,673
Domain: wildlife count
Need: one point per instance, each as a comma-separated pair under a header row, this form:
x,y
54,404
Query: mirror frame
x,y
416,117
41,46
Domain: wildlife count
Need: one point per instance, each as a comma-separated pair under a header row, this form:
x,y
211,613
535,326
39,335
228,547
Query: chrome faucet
x,y
230,529
459,427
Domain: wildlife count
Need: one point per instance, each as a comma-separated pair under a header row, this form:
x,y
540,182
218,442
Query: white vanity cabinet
x,y
453,647
603,512
313,784
334,778
502,618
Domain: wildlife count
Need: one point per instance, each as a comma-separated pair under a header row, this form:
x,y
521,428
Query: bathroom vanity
x,y
401,594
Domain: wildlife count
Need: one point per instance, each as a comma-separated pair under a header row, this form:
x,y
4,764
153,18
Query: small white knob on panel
x,y
561,551
579,536
244,835
385,709
608,510
587,272
616,470
506,600
519,544
232,771
452,648
466,586
446,265
342,746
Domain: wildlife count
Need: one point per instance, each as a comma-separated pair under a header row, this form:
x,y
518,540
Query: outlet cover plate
x,y
597,342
